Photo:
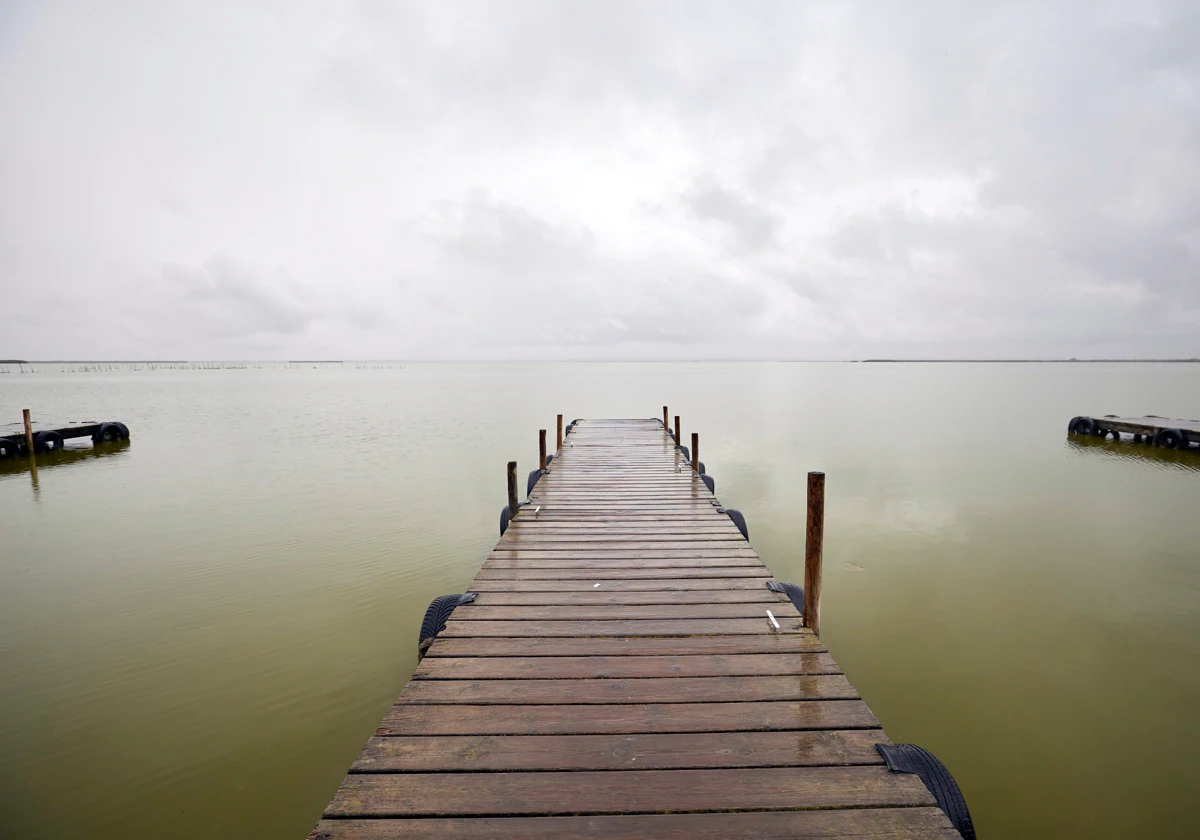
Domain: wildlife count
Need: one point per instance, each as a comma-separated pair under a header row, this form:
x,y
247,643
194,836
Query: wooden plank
x,y
649,690
593,597
612,612
613,575
508,753
612,560
619,627
644,538
655,588
634,791
535,527
726,646
587,666
583,719
926,823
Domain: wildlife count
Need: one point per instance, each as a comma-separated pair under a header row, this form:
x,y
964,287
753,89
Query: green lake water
x,y
199,630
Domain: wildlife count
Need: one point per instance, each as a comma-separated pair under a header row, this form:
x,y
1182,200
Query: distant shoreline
x,y
581,361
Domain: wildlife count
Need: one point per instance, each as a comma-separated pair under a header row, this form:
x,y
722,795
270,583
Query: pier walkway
x,y
617,676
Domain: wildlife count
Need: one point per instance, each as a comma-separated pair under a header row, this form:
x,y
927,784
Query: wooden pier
x,y
23,438
617,675
1157,431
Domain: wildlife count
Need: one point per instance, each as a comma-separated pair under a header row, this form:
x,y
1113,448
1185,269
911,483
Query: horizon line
x,y
583,361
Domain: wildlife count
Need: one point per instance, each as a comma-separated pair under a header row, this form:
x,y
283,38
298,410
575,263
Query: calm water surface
x,y
199,631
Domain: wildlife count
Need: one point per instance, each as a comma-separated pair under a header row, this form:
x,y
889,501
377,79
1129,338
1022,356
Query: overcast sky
x,y
599,180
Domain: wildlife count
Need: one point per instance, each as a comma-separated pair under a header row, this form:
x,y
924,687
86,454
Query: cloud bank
x,y
544,180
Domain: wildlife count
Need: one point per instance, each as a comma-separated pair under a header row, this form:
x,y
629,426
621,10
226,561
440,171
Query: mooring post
x,y
666,428
695,453
557,448
512,490
28,431
541,449
814,540
677,440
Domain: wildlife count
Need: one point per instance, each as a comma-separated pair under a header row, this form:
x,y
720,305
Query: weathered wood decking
x,y
617,677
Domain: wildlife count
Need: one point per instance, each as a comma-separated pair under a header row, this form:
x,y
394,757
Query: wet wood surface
x,y
616,676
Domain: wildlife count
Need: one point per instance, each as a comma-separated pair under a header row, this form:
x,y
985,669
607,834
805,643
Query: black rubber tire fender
x,y
47,441
710,483
909,758
795,593
739,521
106,432
124,429
686,455
9,448
1171,438
437,614
1085,426
1072,424
533,480
504,516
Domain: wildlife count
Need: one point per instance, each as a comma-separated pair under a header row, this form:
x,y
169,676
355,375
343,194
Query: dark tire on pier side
x,y
1085,426
1072,424
9,448
532,481
106,433
1171,438
436,616
686,455
124,430
710,483
739,521
48,441
909,758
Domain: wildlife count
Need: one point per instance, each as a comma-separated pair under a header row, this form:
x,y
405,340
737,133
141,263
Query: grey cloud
x,y
224,300
752,226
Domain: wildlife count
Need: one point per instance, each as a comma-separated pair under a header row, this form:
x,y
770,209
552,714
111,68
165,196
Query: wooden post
x,y
512,490
813,548
695,453
541,449
28,431
666,428
557,448
677,440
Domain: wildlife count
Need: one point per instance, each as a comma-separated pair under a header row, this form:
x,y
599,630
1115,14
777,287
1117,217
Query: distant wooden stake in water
x,y
665,426
813,547
559,446
541,449
512,489
677,440
695,453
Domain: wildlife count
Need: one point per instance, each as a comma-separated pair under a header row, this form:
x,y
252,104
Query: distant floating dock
x,y
19,439
624,666
1157,431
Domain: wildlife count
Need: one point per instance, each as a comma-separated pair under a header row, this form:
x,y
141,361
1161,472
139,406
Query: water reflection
x,y
62,458
1126,450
